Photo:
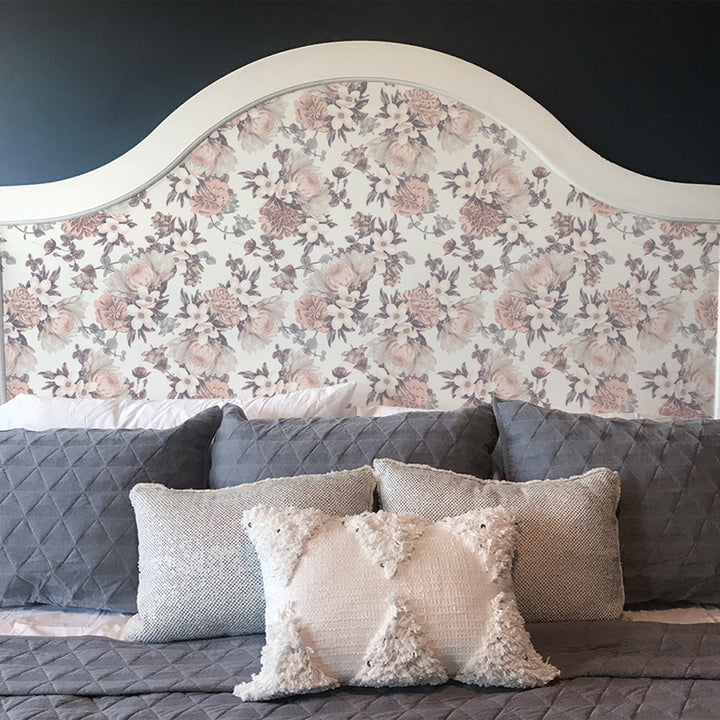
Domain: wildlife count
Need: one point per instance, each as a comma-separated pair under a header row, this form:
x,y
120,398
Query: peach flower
x,y
610,397
210,197
403,155
83,227
112,314
506,383
14,387
262,323
410,197
624,306
599,208
24,305
202,355
107,383
225,306
678,230
261,122
706,311
425,106
479,222
305,379
423,305
203,156
511,313
311,112
213,388
413,393
279,221
311,313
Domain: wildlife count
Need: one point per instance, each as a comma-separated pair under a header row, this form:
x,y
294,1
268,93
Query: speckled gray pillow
x,y
669,512
568,557
199,574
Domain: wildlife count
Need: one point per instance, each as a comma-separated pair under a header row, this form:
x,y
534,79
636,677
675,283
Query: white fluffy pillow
x,y
384,600
35,412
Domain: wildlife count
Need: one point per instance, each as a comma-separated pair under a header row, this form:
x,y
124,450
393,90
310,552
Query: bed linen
x,y
612,669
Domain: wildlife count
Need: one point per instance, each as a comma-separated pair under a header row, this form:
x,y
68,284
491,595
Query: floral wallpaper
x,y
369,232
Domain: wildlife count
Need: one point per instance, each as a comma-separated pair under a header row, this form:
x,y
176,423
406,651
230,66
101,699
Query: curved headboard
x,y
373,212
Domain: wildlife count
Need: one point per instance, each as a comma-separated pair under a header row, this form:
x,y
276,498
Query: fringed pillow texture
x,y
385,600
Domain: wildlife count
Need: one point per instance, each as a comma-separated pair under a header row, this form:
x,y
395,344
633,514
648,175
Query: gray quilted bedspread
x,y
609,671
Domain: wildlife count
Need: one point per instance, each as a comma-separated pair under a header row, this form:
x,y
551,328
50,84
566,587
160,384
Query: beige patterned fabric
x,y
375,232
385,600
568,555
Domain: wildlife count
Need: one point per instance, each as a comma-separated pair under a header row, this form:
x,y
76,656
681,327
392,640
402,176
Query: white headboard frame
x,y
27,210
366,60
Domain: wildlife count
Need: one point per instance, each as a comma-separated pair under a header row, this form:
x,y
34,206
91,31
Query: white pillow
x,y
385,600
35,412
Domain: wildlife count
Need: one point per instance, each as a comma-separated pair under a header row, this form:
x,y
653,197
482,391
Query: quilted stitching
x,y
102,679
669,513
249,450
67,529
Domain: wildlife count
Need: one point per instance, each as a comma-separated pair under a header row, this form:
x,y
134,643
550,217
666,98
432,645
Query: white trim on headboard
x,y
284,72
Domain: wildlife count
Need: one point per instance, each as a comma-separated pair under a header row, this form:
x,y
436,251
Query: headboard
x,y
371,212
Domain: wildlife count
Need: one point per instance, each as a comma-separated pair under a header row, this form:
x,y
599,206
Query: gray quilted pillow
x,y
66,524
199,574
249,450
670,477
567,566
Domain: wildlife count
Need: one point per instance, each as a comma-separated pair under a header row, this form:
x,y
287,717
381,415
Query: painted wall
x,y
82,82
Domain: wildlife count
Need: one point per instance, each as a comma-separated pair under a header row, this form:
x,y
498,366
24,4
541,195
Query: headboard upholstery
x,y
393,217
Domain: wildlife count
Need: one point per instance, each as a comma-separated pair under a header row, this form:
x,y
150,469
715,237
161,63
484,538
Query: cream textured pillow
x,y
385,600
568,553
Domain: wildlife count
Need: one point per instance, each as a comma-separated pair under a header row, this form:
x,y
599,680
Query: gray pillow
x,y
669,512
249,450
199,574
567,566
66,524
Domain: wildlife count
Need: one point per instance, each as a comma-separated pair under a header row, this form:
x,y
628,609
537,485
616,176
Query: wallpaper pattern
x,y
371,232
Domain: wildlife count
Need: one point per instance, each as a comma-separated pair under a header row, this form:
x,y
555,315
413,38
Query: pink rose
x,y
413,394
704,383
213,388
706,311
307,184
339,275
311,313
508,183
402,154
262,324
599,208
62,324
305,379
111,313
462,122
461,324
511,313
610,397
601,355
261,123
201,354
203,156
107,383
661,322
15,387
538,275
139,274
506,384
401,354
410,197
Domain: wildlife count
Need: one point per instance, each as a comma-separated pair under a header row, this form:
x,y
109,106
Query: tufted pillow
x,y
669,513
249,450
66,524
384,600
568,558
199,575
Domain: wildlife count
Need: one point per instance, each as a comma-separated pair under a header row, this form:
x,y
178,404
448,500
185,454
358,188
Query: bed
x,y
374,301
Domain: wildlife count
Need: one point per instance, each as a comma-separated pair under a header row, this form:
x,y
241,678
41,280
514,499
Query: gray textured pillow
x,y
66,524
670,475
568,558
249,450
199,574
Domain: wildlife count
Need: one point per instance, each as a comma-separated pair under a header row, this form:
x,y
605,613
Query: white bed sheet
x,y
55,622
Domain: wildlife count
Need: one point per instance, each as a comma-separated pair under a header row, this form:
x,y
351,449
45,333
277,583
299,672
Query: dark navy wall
x,y
82,82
